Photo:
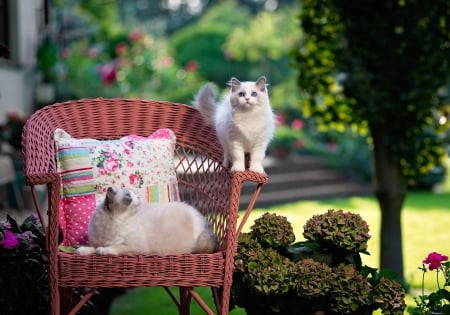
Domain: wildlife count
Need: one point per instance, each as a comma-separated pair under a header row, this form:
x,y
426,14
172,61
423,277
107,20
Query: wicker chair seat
x,y
186,270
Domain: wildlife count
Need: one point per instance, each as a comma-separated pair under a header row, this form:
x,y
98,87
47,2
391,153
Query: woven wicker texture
x,y
203,183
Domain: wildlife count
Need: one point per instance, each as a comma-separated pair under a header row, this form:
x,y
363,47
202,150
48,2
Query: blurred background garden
x,y
167,49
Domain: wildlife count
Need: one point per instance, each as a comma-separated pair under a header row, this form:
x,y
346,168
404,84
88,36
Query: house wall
x,y
17,79
16,92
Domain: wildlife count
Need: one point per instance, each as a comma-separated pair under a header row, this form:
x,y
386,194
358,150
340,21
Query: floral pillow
x,y
88,167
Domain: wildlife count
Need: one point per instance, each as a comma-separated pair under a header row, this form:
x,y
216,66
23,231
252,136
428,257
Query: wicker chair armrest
x,y
41,178
251,176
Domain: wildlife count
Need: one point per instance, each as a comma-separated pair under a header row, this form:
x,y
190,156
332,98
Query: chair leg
x,y
201,302
185,301
71,302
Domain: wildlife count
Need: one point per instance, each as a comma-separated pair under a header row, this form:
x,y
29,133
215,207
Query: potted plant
x,y
322,275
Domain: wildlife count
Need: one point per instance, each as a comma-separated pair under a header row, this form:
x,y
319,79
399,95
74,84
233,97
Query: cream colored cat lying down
x,y
124,224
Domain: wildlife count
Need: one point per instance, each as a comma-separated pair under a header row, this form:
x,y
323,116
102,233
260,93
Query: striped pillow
x,y
75,168
88,167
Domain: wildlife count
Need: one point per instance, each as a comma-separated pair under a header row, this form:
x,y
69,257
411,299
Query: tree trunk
x,y
390,188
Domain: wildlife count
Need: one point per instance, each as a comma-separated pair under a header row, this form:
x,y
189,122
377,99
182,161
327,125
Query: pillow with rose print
x,y
89,166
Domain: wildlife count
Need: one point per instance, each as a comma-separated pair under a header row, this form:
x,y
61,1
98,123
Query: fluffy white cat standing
x,y
243,120
124,224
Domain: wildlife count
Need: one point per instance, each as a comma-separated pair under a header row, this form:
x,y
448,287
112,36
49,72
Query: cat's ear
x,y
261,83
235,84
109,199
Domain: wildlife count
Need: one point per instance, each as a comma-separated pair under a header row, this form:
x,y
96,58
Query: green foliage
x,y
273,231
338,229
203,42
378,64
346,151
309,272
266,40
47,56
350,290
272,274
102,14
387,297
141,66
285,137
24,268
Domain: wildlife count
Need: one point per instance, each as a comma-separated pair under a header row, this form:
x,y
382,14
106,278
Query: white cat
x,y
124,224
243,120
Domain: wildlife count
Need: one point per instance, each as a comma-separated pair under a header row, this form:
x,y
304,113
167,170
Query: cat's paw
x,y
106,251
85,250
237,168
257,168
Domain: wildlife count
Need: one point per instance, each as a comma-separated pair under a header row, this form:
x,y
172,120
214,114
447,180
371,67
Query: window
x,y
4,29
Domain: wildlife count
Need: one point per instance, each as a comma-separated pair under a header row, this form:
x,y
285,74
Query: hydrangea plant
x,y
274,275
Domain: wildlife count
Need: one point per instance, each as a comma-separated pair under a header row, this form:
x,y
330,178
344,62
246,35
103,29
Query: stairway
x,y
302,178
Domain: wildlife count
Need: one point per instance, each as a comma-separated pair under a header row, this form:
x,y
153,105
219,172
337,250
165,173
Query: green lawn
x,y
425,220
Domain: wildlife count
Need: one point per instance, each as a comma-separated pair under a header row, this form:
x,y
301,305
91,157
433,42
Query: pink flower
x,y
129,143
127,151
27,236
134,179
93,52
191,66
102,171
111,165
65,52
434,260
121,48
228,55
108,73
135,35
280,119
299,143
331,146
130,164
297,124
10,240
167,62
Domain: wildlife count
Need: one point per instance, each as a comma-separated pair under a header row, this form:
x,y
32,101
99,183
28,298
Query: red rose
x,y
434,260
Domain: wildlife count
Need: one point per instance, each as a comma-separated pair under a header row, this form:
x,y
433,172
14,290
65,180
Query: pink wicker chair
x,y
203,182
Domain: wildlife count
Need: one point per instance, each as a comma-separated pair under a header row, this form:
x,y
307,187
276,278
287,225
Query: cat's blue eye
x,y
241,94
254,94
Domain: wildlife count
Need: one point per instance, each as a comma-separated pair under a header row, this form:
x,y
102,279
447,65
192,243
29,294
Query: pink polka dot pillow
x,y
88,167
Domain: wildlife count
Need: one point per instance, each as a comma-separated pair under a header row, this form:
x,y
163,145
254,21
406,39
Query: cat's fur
x,y
124,224
243,120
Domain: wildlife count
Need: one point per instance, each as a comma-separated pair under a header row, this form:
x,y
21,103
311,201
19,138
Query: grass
x,y
425,223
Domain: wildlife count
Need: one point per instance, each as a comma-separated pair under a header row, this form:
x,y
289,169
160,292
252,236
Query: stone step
x,y
302,178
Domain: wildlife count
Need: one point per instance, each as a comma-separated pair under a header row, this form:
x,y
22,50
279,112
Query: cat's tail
x,y
205,101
